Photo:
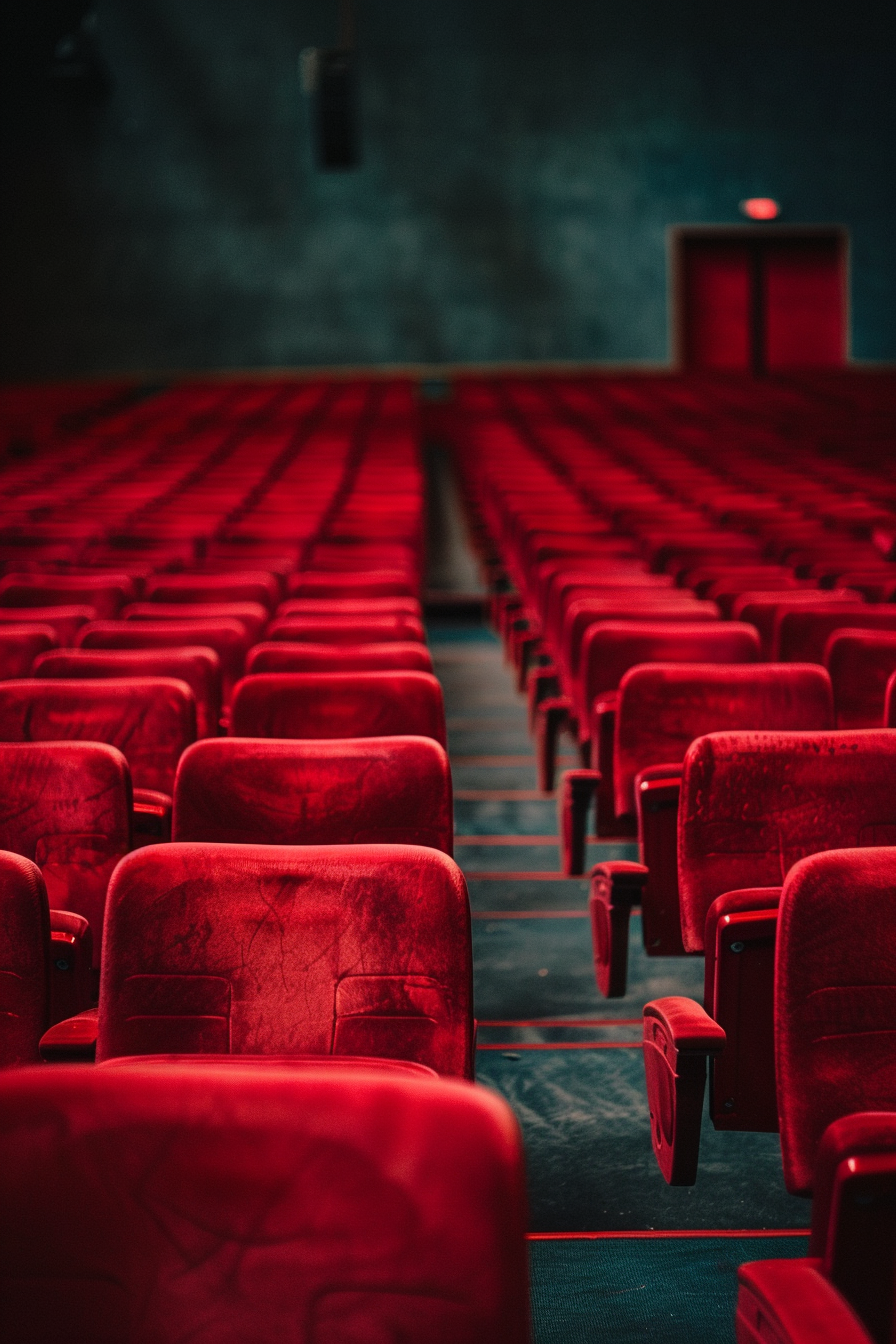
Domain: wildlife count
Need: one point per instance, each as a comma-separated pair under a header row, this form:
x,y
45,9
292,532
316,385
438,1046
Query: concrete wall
x,y
522,162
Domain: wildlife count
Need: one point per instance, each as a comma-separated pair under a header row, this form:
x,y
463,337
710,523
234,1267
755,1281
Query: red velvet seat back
x,y
346,629
373,790
663,707
754,804
66,622
860,663
612,647
270,949
24,956
251,615
199,667
835,998
353,606
213,1203
20,645
106,593
373,583
67,807
247,586
801,635
763,607
228,639
282,656
586,612
339,704
150,719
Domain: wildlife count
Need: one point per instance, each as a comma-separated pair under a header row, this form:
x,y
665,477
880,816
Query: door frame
x,y
678,235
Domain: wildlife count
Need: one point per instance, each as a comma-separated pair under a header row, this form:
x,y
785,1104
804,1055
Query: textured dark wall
x,y
522,162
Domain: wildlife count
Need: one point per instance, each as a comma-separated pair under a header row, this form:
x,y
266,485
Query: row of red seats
x,y
307,913
664,602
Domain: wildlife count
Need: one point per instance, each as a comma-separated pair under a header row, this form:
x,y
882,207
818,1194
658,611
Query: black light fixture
x,y
328,78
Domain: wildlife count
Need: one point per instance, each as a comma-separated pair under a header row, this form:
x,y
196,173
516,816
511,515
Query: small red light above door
x,y
760,207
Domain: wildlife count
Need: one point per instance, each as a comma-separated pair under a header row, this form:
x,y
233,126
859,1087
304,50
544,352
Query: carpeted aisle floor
x,y
569,1061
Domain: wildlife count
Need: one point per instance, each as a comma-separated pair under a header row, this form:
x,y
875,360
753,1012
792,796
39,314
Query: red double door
x,y
760,299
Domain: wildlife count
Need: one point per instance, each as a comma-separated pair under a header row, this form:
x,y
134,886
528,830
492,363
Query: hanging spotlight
x,y
328,79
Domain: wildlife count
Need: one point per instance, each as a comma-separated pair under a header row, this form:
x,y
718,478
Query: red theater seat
x,y
346,629
791,1302
286,657
339,704
752,806
801,635
106,593
860,663
374,790
328,608
251,615
609,649
65,622
199,667
201,939
24,960
20,645
67,807
240,586
212,1202
374,583
762,609
660,710
150,719
227,638
835,988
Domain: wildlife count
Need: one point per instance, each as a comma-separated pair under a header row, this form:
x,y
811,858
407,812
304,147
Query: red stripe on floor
x,y
653,1234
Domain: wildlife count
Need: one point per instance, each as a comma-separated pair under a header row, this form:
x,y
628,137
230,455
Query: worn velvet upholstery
x,y
860,663
281,656
835,997
150,719
663,707
754,803
24,961
346,629
228,639
369,790
67,807
199,667
20,645
339,704
270,949
248,1205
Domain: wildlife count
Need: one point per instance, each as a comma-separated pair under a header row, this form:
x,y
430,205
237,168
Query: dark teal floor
x,y
569,1062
